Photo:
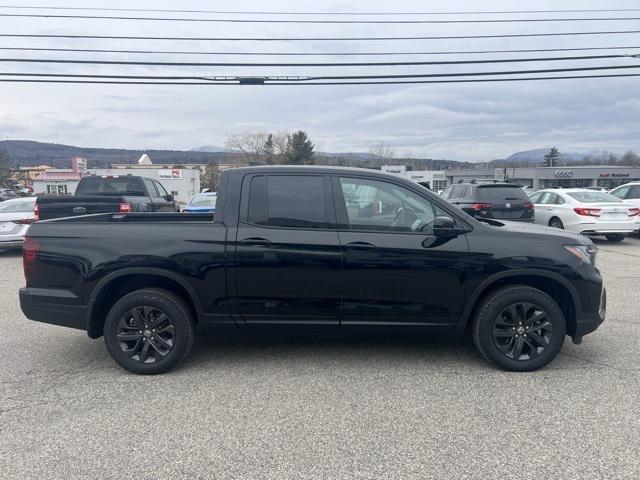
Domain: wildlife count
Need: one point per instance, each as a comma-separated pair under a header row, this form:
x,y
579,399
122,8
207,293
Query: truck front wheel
x,y
149,331
519,328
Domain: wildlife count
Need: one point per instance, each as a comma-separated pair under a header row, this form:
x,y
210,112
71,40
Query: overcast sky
x,y
473,122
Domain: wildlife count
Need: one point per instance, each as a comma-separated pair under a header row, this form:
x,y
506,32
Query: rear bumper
x,y
599,228
589,322
53,306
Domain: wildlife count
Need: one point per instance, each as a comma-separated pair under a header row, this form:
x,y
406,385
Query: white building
x,y
436,179
182,183
56,181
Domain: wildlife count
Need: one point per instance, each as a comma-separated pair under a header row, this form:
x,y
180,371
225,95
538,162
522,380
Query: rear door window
x,y
288,201
457,191
634,192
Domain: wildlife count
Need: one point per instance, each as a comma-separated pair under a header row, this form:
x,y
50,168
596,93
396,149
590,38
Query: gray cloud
x,y
463,121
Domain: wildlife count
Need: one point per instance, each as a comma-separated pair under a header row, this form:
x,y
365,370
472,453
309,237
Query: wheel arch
x,y
117,284
556,286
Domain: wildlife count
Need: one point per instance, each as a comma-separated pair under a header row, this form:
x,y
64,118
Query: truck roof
x,y
316,169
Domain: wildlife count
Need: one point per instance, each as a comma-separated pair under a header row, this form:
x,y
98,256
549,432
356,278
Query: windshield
x,y
130,186
14,207
594,197
497,194
208,201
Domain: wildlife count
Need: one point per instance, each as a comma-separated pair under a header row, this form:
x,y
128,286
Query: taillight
x,y
481,206
588,212
24,221
528,205
36,212
125,207
634,211
30,249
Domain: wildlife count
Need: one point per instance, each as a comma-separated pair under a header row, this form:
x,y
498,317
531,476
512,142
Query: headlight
x,y
586,253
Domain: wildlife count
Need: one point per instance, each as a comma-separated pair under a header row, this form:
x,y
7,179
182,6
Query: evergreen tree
x,y
269,149
299,149
551,157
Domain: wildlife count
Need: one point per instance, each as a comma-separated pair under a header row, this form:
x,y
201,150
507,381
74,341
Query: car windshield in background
x,y
14,207
110,186
204,202
594,197
497,194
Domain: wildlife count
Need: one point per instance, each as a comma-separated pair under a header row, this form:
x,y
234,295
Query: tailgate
x,y
71,206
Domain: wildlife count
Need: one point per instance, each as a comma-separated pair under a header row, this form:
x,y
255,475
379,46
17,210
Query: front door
x,y
288,258
395,270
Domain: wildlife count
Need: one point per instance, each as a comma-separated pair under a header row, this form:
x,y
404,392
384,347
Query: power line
x,y
315,21
314,64
308,78
309,54
470,74
401,82
318,39
227,12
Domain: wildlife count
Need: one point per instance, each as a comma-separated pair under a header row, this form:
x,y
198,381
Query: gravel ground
x,y
322,406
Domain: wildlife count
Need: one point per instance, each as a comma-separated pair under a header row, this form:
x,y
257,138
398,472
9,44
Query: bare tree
x,y
250,145
211,177
280,141
383,151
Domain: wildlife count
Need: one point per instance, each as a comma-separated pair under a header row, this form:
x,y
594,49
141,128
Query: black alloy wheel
x,y
615,237
555,222
522,331
519,328
146,334
149,331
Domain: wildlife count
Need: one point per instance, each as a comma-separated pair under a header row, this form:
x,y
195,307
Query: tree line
x,y
264,148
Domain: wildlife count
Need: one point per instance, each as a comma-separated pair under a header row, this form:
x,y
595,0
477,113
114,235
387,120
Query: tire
x,y
133,342
615,237
494,333
555,222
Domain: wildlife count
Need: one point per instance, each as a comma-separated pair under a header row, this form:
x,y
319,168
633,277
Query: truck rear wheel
x,y
519,328
149,331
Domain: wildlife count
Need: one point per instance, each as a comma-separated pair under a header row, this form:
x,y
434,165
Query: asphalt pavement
x,y
318,406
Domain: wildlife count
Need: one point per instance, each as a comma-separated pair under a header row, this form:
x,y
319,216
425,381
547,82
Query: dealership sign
x,y
170,174
563,173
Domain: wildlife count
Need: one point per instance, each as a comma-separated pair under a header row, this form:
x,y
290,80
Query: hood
x,y
535,229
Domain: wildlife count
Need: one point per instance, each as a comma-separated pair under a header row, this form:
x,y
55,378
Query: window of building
x,y
55,189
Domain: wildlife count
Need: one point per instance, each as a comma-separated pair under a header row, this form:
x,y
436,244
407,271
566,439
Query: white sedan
x,y
587,212
15,217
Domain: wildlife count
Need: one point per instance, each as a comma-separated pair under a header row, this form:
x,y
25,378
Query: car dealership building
x,y
537,178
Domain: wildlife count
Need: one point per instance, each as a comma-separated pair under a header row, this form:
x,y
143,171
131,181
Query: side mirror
x,y
169,198
445,227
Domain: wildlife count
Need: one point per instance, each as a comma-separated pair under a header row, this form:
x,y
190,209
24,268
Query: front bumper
x,y
589,322
57,307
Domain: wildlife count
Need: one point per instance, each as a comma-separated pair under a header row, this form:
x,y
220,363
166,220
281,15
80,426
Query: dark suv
x,y
500,201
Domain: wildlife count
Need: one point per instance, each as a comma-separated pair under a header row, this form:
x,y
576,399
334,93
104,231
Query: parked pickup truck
x,y
108,194
335,248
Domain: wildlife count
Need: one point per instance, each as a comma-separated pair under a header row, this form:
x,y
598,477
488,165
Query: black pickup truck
x,y
108,194
333,248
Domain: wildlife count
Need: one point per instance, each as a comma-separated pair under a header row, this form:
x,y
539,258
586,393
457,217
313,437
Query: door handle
x,y
362,246
255,241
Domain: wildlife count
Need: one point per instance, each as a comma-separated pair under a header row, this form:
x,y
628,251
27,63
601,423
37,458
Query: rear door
x,y
287,252
504,202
